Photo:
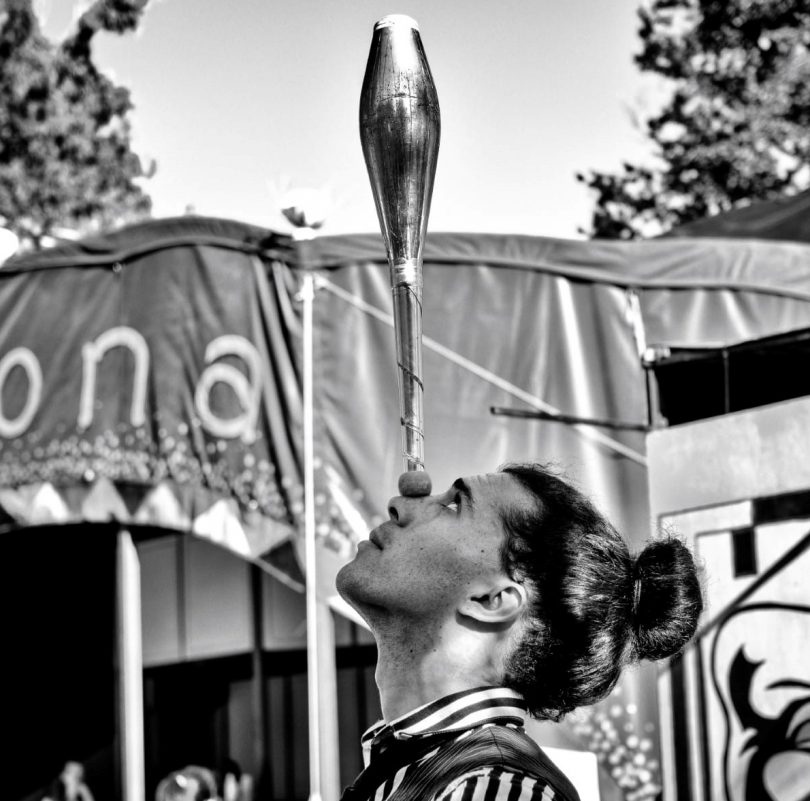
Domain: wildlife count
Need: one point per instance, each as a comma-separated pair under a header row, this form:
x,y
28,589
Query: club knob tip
x,y
397,20
414,484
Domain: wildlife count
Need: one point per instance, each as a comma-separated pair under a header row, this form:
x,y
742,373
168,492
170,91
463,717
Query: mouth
x,y
374,539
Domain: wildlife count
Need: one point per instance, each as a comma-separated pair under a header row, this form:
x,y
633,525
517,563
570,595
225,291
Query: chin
x,y
353,588
343,581
349,584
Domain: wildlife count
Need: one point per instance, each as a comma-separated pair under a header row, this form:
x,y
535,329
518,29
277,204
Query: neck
x,y
416,665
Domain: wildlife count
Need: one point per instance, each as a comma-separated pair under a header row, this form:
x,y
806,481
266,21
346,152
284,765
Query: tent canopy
x,y
784,219
153,373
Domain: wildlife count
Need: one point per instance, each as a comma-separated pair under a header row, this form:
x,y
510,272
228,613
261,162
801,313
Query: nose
x,y
403,510
400,510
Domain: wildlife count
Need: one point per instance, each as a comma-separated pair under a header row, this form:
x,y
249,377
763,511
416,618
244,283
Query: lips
x,y
374,538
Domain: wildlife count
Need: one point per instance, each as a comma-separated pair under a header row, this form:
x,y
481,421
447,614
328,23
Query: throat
x,y
415,670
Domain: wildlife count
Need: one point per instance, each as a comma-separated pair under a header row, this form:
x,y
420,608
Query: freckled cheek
x,y
451,567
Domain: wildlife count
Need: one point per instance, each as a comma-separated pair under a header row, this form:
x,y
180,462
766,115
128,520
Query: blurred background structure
x,y
151,370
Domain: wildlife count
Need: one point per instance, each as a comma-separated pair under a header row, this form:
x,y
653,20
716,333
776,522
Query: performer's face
x,y
434,551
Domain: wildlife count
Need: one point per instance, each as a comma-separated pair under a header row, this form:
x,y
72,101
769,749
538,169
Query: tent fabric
x,y
531,327
764,267
511,321
784,219
154,386
125,243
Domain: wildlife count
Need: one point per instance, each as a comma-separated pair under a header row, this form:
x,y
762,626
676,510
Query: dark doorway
x,y
57,624
187,716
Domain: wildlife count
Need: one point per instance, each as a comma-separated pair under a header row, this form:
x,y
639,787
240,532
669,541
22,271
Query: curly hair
x,y
594,608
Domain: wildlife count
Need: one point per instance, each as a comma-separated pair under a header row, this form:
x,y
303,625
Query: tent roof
x,y
786,219
150,236
770,267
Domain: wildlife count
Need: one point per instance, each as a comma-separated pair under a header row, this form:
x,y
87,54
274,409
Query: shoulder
x,y
497,784
492,763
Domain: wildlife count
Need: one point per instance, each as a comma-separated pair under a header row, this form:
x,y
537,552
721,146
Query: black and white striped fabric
x,y
393,751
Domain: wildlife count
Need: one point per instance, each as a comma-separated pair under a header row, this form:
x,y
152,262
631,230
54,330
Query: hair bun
x,y
667,599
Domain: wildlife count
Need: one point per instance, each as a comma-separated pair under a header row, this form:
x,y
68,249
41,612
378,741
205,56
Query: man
x,y
508,592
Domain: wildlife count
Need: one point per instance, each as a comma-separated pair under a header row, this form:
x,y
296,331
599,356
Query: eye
x,y
454,504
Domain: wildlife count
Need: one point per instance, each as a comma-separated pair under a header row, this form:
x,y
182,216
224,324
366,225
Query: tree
x,y
736,126
65,155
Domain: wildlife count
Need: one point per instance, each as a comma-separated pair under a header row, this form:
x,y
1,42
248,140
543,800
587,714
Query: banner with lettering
x,y
152,377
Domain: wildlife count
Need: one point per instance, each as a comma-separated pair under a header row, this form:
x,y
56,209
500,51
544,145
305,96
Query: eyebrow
x,y
464,488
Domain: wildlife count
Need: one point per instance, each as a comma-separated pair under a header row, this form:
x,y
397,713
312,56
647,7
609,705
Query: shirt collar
x,y
452,713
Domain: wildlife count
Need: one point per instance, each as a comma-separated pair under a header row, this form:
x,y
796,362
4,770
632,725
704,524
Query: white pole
x,y
310,556
130,669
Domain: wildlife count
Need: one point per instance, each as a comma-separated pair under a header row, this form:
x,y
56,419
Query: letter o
x,y
24,359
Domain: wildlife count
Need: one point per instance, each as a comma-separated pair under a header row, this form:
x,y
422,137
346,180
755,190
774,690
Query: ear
x,y
502,603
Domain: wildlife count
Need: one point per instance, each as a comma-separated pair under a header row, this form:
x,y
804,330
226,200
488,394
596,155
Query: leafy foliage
x,y
736,127
65,155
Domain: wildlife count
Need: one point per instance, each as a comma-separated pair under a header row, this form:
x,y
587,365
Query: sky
x,y
240,101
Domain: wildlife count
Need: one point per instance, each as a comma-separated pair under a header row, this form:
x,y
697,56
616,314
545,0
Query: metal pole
x,y
130,667
310,556
261,727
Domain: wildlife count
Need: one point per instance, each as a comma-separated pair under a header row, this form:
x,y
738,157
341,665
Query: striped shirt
x,y
461,713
